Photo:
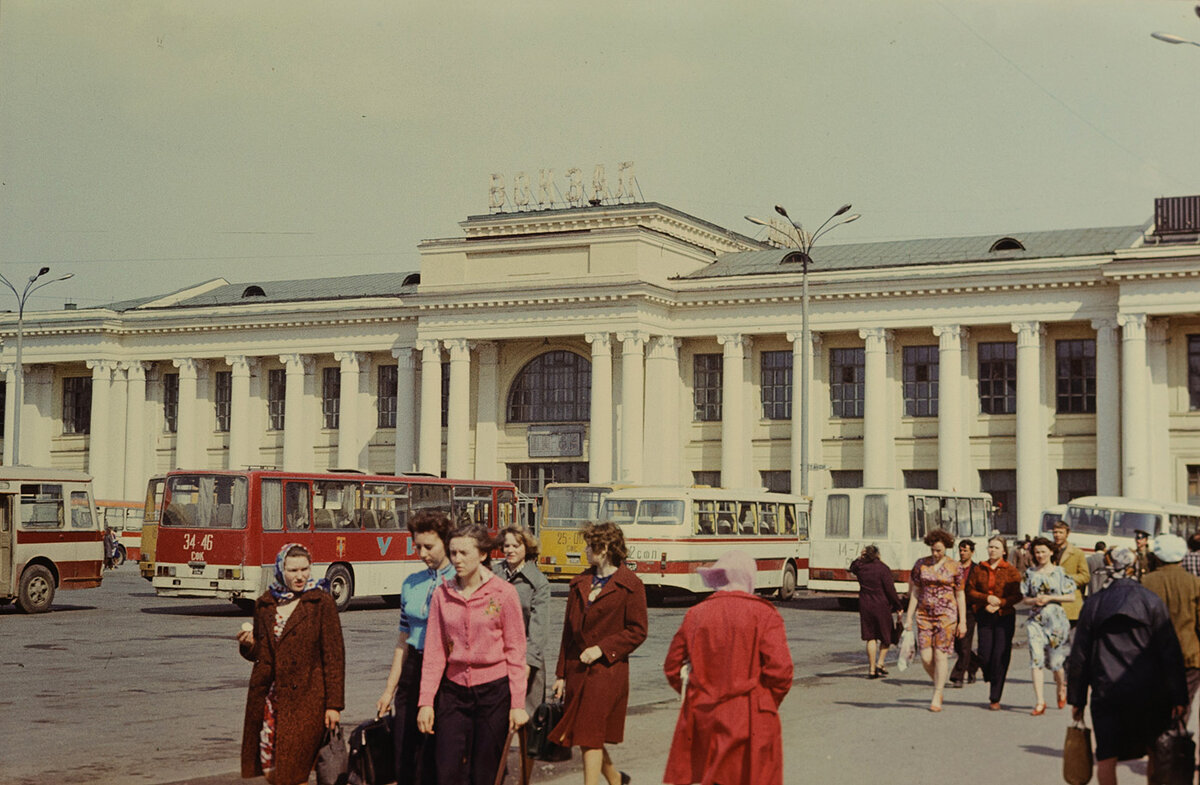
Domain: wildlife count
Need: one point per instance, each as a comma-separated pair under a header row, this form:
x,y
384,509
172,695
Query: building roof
x,y
224,293
946,250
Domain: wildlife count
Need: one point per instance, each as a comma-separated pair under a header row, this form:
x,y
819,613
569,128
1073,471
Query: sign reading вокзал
x,y
555,441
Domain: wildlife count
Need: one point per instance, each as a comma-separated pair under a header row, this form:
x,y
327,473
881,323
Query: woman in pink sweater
x,y
473,676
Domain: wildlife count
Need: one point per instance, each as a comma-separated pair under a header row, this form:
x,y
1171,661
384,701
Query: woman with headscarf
x,y
877,601
296,641
738,670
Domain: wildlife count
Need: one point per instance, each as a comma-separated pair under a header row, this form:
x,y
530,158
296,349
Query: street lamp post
x,y
805,242
19,371
1170,38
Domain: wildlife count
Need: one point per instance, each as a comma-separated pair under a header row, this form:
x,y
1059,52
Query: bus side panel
x,y
78,556
146,557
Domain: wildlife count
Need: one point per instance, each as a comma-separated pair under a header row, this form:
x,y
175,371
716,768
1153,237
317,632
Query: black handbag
x,y
1172,757
333,760
545,717
373,752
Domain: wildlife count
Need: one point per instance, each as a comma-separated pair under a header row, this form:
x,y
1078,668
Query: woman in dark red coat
x,y
606,621
298,680
738,671
877,601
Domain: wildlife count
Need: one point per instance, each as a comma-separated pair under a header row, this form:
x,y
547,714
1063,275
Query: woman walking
x,y
474,665
1045,588
605,622
520,569
297,683
877,601
739,670
994,591
937,602
413,757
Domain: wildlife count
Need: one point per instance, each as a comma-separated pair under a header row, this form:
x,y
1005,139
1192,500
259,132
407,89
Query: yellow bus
x,y
564,509
151,514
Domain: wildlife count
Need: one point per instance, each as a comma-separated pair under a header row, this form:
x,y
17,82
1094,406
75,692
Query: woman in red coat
x,y
738,670
298,680
606,621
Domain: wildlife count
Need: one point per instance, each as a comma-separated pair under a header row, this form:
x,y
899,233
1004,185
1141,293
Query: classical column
x,y
953,453
1158,440
734,444
600,429
187,456
1135,421
297,446
40,414
632,402
429,459
135,430
239,411
662,446
1108,408
487,413
99,465
1031,430
406,396
10,409
349,451
458,415
878,464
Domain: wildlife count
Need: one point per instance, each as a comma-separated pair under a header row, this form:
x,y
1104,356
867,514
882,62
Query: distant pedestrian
x,y
605,621
739,669
1097,568
994,591
1143,563
298,681
966,662
877,601
938,606
1047,588
1180,592
520,569
1022,556
1126,653
1074,564
1191,560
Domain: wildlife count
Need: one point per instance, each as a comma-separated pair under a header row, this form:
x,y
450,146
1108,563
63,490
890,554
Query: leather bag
x,y
545,717
372,752
1172,757
333,759
1077,755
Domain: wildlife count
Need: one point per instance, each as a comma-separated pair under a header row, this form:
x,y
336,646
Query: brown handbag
x,y
1077,754
526,761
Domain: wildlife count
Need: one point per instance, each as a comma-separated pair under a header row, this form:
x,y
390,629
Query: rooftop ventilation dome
x,y
1006,244
253,291
412,279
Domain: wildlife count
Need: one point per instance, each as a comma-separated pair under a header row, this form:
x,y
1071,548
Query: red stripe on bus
x,y
689,567
746,539
79,574
58,535
825,574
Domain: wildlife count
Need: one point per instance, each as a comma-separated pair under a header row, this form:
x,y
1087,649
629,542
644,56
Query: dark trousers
x,y
472,724
968,661
414,750
995,649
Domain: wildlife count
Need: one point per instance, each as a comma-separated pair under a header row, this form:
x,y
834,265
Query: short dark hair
x,y
968,543
870,553
607,538
483,538
939,535
434,521
1041,541
1193,542
1102,546
1061,524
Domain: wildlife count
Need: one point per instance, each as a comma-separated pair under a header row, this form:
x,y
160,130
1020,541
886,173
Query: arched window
x,y
553,387
1006,244
253,291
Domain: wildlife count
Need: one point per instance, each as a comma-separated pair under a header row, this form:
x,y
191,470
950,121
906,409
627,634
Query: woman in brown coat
x,y
606,621
297,683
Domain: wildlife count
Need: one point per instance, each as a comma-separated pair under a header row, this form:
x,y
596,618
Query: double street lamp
x,y
804,242
1170,38
31,286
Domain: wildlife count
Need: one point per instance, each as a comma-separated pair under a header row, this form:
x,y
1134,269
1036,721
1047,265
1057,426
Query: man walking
x,y
1191,560
1074,564
968,661
1180,592
1098,567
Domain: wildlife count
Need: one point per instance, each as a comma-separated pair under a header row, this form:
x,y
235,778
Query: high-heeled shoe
x,y
1039,710
1062,696
625,779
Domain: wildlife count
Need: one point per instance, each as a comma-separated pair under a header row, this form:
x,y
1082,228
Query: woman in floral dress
x,y
1046,587
938,603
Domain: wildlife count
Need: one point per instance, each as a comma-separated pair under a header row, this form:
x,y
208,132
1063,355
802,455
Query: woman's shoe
x,y
934,708
1062,695
882,671
994,706
625,779
1039,710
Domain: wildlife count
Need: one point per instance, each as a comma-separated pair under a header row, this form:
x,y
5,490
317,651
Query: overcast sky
x,y
146,146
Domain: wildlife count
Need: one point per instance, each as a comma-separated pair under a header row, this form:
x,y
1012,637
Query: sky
x,y
147,146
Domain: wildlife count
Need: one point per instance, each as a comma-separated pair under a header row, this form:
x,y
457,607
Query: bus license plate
x,y
197,571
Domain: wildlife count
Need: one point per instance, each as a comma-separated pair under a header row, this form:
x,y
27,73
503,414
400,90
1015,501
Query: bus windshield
x,y
566,508
1126,523
206,502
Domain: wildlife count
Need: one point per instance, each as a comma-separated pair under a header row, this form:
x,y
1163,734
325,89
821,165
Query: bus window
x,y
800,525
875,514
747,515
725,518
430,497
41,506
271,505
81,512
333,505
660,512
837,516
473,505
506,501
1124,524
385,506
207,501
964,519
979,522
789,521
296,494
933,515
620,511
949,520
1083,520
706,517
916,517
133,520
768,522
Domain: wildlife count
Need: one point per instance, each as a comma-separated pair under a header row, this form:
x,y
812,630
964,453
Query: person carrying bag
x,y
1173,757
1077,754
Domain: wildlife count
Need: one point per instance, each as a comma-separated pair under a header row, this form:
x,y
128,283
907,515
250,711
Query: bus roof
x,y
338,475
1133,505
42,473
701,492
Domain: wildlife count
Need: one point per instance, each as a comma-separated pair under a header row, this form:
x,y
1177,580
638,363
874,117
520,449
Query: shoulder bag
x,y
372,752
1077,754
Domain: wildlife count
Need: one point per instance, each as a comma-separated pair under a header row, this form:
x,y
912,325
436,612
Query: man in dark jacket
x,y
1127,653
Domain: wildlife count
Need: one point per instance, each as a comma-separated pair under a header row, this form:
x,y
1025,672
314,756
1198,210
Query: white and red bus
x,y
670,532
50,535
125,521
221,530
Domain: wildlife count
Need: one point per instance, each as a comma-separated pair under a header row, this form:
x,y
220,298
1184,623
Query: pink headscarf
x,y
734,571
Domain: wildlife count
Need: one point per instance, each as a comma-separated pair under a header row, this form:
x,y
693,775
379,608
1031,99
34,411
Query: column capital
x,y
599,341
632,341
240,364
187,367
1029,333
664,347
136,370
735,343
8,369
1106,329
298,363
102,369
404,357
351,362
794,336
488,351
459,349
950,336
1133,326
430,349
877,338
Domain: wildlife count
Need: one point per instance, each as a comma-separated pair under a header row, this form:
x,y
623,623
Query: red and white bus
x,y
50,535
221,530
125,521
671,532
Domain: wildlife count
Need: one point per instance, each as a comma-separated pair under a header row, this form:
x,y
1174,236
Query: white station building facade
x,y
637,343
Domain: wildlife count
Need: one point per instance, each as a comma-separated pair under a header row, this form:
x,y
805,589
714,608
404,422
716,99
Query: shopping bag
x,y
372,752
333,759
1077,755
1172,757
545,717
908,648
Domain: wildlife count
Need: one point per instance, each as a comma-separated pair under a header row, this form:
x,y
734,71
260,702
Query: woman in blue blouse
x,y
1046,587
414,752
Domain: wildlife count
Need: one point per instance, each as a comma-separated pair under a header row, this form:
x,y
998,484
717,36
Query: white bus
x,y
50,535
895,520
564,509
672,531
1114,519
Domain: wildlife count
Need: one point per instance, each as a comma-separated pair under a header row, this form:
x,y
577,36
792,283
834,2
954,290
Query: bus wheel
x,y
787,589
37,590
341,586
120,556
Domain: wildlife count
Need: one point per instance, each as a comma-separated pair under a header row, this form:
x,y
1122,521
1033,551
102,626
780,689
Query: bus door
x,y
6,546
288,503
506,508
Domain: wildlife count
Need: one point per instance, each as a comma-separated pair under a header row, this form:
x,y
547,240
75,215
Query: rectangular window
x,y
3,406
171,402
776,385
998,377
837,516
223,396
847,379
331,396
1075,376
334,504
81,511
1194,372
706,386
1193,484
776,481
711,479
387,396
920,478
1002,485
42,505
271,500
921,381
875,514
531,478
385,506
846,478
77,404
706,517
276,398
445,394
1073,483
